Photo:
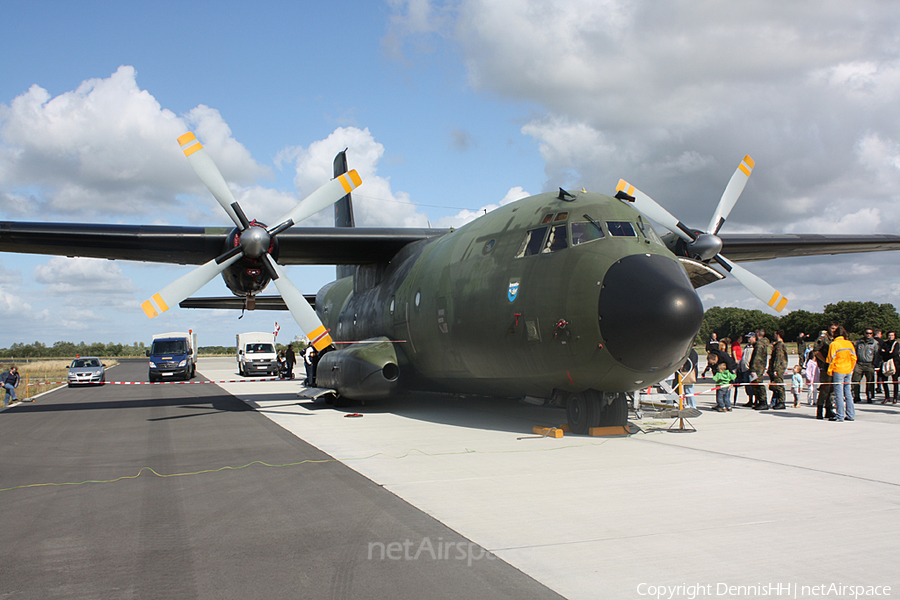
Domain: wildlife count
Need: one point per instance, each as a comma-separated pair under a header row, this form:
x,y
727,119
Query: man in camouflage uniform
x,y
868,350
777,366
820,354
758,369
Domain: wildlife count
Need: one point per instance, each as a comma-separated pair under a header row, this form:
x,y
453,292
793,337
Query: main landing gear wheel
x,y
583,411
589,409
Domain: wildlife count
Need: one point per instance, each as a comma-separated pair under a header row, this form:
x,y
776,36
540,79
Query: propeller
x,y
706,246
300,309
731,194
253,242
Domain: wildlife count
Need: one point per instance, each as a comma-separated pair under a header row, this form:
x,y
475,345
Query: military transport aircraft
x,y
569,298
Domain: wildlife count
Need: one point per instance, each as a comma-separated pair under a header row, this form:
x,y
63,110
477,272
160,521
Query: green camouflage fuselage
x,y
490,308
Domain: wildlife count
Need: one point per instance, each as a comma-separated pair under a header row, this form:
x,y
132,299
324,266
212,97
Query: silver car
x,y
87,371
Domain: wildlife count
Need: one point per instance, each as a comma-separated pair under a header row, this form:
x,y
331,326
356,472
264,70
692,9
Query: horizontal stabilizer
x,y
235,303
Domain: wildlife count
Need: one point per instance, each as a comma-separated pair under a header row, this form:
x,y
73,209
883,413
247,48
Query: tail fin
x,y
343,210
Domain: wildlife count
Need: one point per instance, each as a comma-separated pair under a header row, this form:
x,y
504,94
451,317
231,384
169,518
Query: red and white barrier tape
x,y
163,382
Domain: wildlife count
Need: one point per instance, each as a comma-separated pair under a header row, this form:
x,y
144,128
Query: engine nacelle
x,y
247,277
369,370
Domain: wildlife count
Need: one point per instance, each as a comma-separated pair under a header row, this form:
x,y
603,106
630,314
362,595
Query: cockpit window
x,y
547,218
561,216
585,231
648,231
556,240
532,242
620,229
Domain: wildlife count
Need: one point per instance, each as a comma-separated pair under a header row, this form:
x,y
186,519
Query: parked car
x,y
87,371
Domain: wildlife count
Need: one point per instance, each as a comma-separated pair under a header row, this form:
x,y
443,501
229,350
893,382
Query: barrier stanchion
x,y
680,418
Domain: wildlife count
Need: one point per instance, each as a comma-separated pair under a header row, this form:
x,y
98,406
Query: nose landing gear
x,y
591,408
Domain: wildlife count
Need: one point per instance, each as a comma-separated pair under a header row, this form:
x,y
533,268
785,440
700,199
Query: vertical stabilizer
x,y
343,211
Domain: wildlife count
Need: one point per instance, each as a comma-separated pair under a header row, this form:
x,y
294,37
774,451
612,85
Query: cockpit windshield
x,y
586,231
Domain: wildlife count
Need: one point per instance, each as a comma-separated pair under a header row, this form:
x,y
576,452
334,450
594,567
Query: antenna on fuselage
x,y
564,195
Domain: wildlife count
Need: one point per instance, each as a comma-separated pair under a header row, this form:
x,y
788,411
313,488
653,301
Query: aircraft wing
x,y
346,246
197,245
746,247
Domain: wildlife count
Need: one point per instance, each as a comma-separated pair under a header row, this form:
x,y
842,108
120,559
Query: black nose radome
x,y
649,312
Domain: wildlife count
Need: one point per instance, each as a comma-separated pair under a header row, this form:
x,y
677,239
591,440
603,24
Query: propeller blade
x,y
323,197
303,313
208,172
241,217
731,194
186,285
754,284
650,209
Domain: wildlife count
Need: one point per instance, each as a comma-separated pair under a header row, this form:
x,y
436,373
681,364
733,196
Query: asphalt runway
x,y
771,504
85,517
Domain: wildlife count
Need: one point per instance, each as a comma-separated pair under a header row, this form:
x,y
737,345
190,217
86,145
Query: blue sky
x,y
447,108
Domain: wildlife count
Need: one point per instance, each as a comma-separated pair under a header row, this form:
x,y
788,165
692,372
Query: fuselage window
x,y
556,240
532,242
585,231
620,229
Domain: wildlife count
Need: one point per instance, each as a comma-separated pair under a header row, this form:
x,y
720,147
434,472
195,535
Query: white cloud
x,y
882,158
72,277
374,202
838,221
464,216
12,305
107,148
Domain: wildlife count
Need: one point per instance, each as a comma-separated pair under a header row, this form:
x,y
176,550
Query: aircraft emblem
x,y
513,290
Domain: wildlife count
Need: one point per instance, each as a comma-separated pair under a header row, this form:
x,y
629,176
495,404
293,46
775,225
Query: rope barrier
x,y
785,384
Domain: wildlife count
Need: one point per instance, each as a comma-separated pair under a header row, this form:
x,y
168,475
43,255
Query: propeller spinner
x,y
706,246
254,242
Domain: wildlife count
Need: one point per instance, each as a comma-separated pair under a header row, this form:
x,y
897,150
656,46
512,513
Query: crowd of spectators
x,y
832,368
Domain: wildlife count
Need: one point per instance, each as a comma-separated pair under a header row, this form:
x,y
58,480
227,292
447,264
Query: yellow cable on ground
x,y
303,462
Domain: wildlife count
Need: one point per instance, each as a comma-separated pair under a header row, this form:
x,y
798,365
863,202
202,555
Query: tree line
x,y
854,316
71,349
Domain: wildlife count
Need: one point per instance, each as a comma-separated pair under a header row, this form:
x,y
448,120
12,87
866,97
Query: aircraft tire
x,y
615,413
582,411
341,402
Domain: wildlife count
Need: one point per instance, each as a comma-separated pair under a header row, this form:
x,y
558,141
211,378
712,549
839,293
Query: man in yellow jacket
x,y
841,361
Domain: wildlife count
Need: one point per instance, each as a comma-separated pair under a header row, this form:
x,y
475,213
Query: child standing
x,y
796,385
723,379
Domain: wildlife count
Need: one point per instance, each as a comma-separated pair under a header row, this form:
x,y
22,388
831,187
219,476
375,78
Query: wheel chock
x,y
565,427
554,432
606,431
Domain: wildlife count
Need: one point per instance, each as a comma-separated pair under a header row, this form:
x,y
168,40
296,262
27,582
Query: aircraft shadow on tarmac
x,y
473,412
206,404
